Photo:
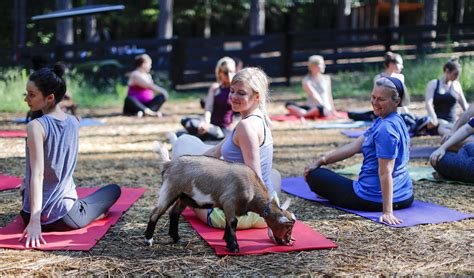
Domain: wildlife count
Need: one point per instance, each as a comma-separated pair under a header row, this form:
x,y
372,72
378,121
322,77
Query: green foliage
x,y
12,90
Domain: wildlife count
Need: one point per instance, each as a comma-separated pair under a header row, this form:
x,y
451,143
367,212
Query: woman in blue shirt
x,y
384,183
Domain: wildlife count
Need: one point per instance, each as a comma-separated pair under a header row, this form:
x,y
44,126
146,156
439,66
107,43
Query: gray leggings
x,y
458,166
84,210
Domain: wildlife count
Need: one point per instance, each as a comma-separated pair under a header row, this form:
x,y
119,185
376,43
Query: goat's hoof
x,y
233,248
149,242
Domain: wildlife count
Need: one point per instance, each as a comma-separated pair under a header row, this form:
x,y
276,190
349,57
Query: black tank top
x,y
444,104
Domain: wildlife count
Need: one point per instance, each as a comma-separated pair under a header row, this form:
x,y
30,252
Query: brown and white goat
x,y
206,182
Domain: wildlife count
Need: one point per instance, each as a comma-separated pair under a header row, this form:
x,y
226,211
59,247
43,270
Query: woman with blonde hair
x,y
250,142
317,87
218,112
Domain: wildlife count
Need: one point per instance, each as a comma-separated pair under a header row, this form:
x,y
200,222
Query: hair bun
x,y
59,69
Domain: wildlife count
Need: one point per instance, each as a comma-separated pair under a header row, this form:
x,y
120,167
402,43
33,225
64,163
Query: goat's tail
x,y
162,152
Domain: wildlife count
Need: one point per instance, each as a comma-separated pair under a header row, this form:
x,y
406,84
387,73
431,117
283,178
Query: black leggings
x,y
84,211
340,192
132,105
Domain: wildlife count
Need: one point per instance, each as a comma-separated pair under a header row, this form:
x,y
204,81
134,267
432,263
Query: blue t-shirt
x,y
386,138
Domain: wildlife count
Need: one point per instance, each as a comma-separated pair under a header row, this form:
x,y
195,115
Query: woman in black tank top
x,y
441,98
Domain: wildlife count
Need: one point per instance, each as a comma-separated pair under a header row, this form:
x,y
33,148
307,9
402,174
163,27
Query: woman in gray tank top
x,y
50,201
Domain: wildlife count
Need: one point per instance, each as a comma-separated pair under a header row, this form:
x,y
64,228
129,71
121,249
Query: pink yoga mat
x,y
12,133
77,240
9,182
256,241
293,118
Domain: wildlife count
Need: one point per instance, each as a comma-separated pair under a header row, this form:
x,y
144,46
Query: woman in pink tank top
x,y
140,98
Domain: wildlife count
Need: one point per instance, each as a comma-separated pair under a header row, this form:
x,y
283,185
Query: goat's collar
x,y
266,209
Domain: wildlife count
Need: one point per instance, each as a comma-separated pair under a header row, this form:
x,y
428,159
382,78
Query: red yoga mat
x,y
256,241
12,133
293,118
77,240
9,182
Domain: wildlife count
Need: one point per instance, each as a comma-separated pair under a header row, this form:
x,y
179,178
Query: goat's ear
x,y
286,204
274,198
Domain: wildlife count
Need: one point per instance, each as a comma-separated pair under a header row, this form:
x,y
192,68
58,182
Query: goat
x,y
207,182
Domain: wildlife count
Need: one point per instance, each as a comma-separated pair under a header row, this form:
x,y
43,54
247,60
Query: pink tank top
x,y
141,94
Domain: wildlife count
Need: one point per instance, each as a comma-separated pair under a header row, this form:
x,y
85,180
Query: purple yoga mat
x,y
353,133
421,152
419,213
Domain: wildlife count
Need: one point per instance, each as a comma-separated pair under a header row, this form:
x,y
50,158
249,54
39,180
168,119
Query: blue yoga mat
x,y
355,124
353,133
83,122
419,213
90,122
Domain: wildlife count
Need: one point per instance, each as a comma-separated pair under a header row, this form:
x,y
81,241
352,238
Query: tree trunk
x,y
19,33
394,17
207,19
165,22
90,26
343,14
395,13
431,12
257,17
64,28
459,12
431,18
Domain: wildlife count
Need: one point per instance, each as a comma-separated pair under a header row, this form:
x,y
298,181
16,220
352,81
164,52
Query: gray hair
x,y
390,87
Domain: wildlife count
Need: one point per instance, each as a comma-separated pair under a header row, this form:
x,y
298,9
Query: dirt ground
x,y
120,152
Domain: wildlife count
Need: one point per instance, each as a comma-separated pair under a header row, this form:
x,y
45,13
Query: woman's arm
x,y
35,141
138,80
247,137
461,134
216,150
204,127
462,98
386,183
429,103
339,154
311,93
331,99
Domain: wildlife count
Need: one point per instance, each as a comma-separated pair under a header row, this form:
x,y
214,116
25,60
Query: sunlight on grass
x,y
344,84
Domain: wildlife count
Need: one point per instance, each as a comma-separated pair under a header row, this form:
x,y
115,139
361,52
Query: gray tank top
x,y
60,156
231,152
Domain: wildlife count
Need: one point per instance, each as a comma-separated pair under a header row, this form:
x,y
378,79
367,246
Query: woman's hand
x,y
314,165
32,233
203,128
437,155
389,218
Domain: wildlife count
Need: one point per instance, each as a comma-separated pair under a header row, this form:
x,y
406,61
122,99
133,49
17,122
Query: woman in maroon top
x,y
218,111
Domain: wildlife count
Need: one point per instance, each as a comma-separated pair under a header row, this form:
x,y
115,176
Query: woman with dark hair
x,y
140,99
50,201
441,98
383,184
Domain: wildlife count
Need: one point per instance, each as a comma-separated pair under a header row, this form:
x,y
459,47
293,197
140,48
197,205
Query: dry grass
x,y
120,152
